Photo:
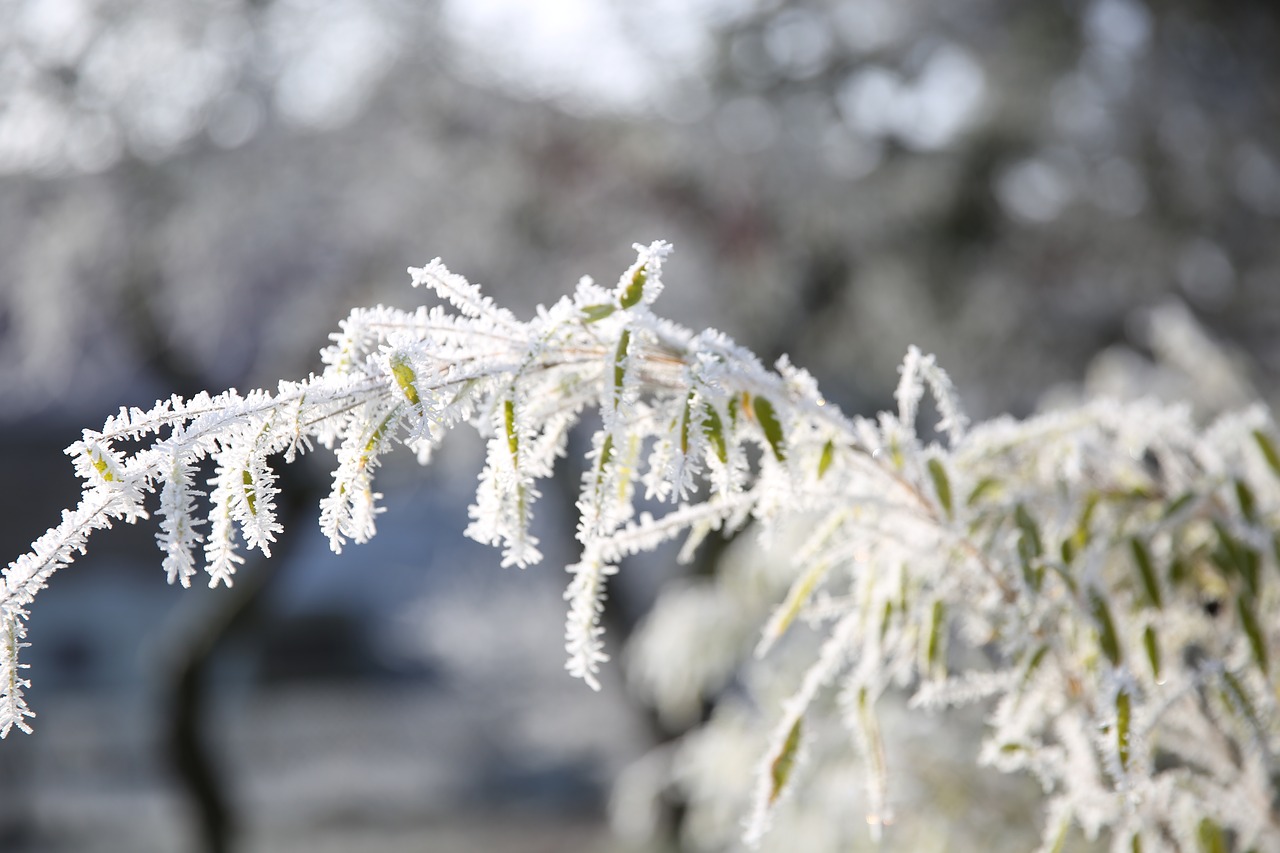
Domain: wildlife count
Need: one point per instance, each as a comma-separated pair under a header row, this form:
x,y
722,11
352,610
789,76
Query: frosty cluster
x,y
1103,577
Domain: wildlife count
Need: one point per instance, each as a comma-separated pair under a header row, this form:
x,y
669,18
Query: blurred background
x,y
193,195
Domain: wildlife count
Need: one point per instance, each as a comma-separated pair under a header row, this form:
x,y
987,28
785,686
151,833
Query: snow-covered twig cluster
x,y
1104,576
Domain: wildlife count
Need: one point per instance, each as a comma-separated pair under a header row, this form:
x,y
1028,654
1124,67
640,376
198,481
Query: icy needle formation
x,y
1113,566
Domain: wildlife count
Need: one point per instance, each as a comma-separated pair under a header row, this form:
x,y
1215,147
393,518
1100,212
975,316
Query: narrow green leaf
x,y
904,588
1235,556
596,313
828,456
1211,837
797,596
1060,840
1152,644
1084,531
941,484
100,465
375,438
1034,664
405,378
619,364
606,456
1253,630
1142,558
986,484
873,743
768,420
1124,715
937,633
713,428
1030,547
1179,504
635,288
250,493
1268,449
785,761
979,491
1248,505
513,438
684,425
1235,697
1108,640
1030,530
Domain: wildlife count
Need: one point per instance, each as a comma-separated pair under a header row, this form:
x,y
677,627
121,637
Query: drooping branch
x,y
1079,550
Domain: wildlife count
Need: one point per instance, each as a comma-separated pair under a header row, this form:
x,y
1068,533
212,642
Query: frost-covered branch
x,y
1104,576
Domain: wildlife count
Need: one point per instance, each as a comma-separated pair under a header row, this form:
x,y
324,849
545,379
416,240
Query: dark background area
x,y
193,195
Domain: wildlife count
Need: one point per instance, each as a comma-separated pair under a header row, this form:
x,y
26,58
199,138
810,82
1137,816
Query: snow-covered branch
x,y
1114,565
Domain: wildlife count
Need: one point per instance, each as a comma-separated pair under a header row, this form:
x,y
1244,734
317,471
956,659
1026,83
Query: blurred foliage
x,y
1005,182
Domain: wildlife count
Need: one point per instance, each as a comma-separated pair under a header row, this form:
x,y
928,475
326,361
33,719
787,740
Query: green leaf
x,y
1236,699
797,596
886,620
635,289
1060,840
1124,716
1152,644
250,494
1030,530
1034,664
596,313
941,484
785,761
1268,449
937,632
1179,505
684,425
828,456
620,364
1248,505
405,377
375,437
1253,630
1234,555
768,420
100,465
1083,528
1142,558
1108,640
1030,547
509,422
986,484
1211,837
713,429
606,456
